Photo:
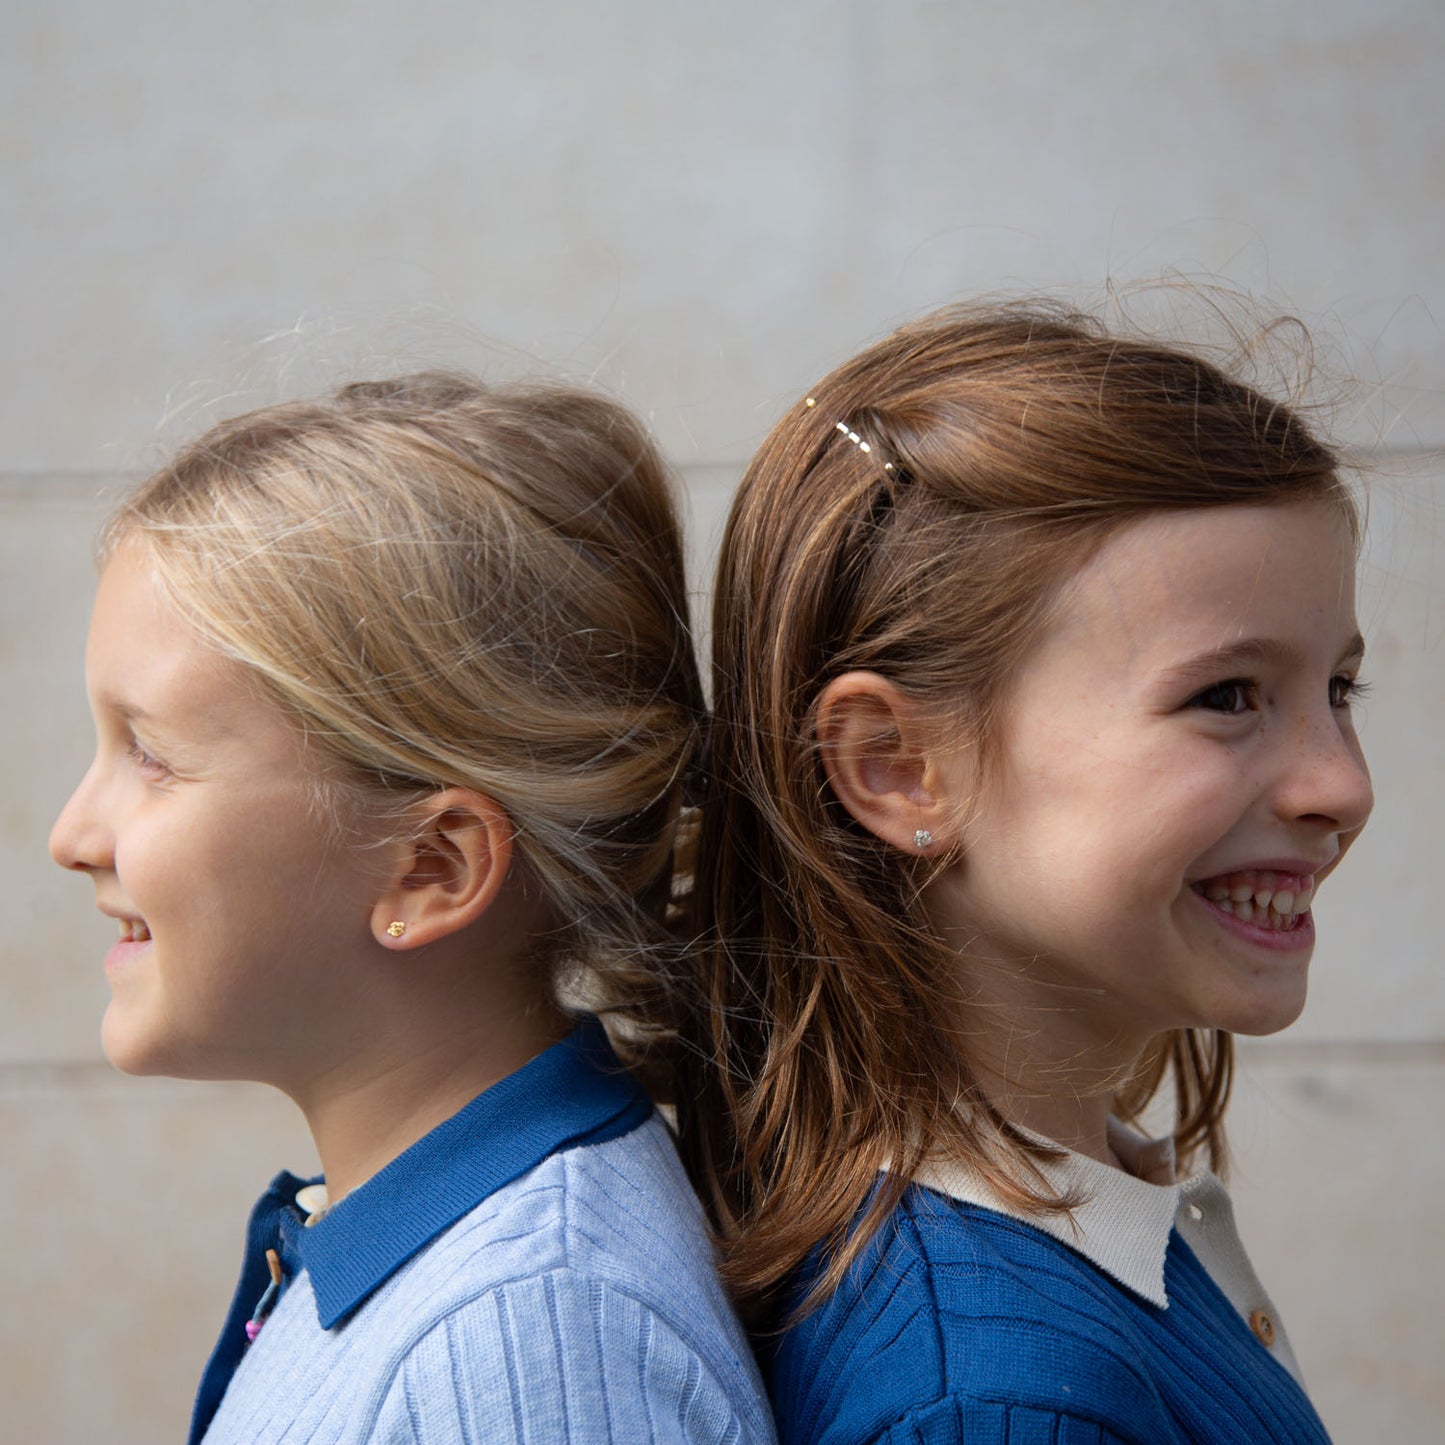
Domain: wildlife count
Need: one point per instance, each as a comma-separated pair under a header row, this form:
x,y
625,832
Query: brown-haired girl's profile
x,y
1033,655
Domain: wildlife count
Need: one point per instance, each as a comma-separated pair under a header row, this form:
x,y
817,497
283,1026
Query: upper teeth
x,y
1245,899
133,930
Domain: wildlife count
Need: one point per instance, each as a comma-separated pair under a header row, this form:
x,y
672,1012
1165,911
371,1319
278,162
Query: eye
x,y
144,760
1345,690
1236,695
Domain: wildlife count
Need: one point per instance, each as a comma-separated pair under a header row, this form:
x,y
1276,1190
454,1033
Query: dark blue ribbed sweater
x,y
960,1324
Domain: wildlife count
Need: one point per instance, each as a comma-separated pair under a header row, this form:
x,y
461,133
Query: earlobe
x,y
878,755
447,871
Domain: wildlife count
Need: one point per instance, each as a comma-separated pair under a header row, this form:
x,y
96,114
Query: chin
x,y
134,1053
128,1059
1260,1017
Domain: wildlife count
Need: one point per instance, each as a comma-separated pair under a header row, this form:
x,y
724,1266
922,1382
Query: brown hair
x,y
447,585
982,454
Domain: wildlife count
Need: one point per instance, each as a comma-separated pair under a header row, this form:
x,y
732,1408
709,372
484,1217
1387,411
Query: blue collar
x,y
576,1092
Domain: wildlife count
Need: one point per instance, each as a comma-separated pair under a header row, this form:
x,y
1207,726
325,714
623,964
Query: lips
x,y
132,945
1274,901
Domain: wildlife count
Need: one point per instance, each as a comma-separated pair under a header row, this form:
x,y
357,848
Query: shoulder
x,y
605,1208
620,1211
952,1307
586,1286
620,1214
562,1346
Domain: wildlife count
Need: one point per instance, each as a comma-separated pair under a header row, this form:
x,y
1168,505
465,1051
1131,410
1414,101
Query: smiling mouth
x,y
1277,902
134,930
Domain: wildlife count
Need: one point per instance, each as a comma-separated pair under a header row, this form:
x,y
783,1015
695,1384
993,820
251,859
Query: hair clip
x,y
848,432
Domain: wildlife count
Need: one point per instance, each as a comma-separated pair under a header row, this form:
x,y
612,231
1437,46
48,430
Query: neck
x,y
1077,1121
378,1100
1045,1067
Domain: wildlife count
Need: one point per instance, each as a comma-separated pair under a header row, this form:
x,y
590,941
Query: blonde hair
x,y
916,519
450,585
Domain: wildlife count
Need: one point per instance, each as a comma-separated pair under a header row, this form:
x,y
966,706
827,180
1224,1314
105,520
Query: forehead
x,y
146,661
1212,579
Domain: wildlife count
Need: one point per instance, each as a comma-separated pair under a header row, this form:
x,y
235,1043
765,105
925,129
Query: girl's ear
x,y
446,872
879,754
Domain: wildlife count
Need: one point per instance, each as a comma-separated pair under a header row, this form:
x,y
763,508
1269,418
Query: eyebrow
x,y
1250,652
122,707
132,714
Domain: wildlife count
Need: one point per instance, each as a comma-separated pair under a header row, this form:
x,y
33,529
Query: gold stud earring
x,y
396,928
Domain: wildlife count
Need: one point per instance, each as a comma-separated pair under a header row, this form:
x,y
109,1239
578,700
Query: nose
x,y
79,839
1327,780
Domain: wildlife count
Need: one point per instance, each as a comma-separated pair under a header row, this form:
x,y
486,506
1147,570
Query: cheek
x,y
209,880
1087,844
154,861
1056,803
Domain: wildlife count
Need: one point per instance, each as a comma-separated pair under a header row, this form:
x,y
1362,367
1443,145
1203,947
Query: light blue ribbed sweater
x,y
576,1302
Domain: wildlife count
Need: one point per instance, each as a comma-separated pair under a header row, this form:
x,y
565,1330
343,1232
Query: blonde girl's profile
x,y
1034,651
393,695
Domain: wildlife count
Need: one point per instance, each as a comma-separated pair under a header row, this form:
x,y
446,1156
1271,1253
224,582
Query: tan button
x,y
1263,1325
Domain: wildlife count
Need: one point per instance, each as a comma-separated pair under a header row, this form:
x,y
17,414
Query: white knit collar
x,y
1124,1221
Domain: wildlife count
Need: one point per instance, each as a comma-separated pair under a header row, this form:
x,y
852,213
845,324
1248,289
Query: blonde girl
x,y
393,696
1034,651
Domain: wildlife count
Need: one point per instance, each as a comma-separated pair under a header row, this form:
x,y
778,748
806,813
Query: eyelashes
x,y
144,760
1345,690
1237,695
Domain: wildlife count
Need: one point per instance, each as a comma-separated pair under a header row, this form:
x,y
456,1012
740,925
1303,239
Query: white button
x,y
1196,1213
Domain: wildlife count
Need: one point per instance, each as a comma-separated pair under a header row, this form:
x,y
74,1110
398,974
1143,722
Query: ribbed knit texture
x,y
959,1324
576,1304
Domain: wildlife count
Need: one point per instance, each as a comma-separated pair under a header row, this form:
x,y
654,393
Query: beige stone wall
x,y
207,206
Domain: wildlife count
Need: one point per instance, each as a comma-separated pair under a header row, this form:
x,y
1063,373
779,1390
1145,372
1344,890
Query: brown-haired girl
x,y
1034,651
393,695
